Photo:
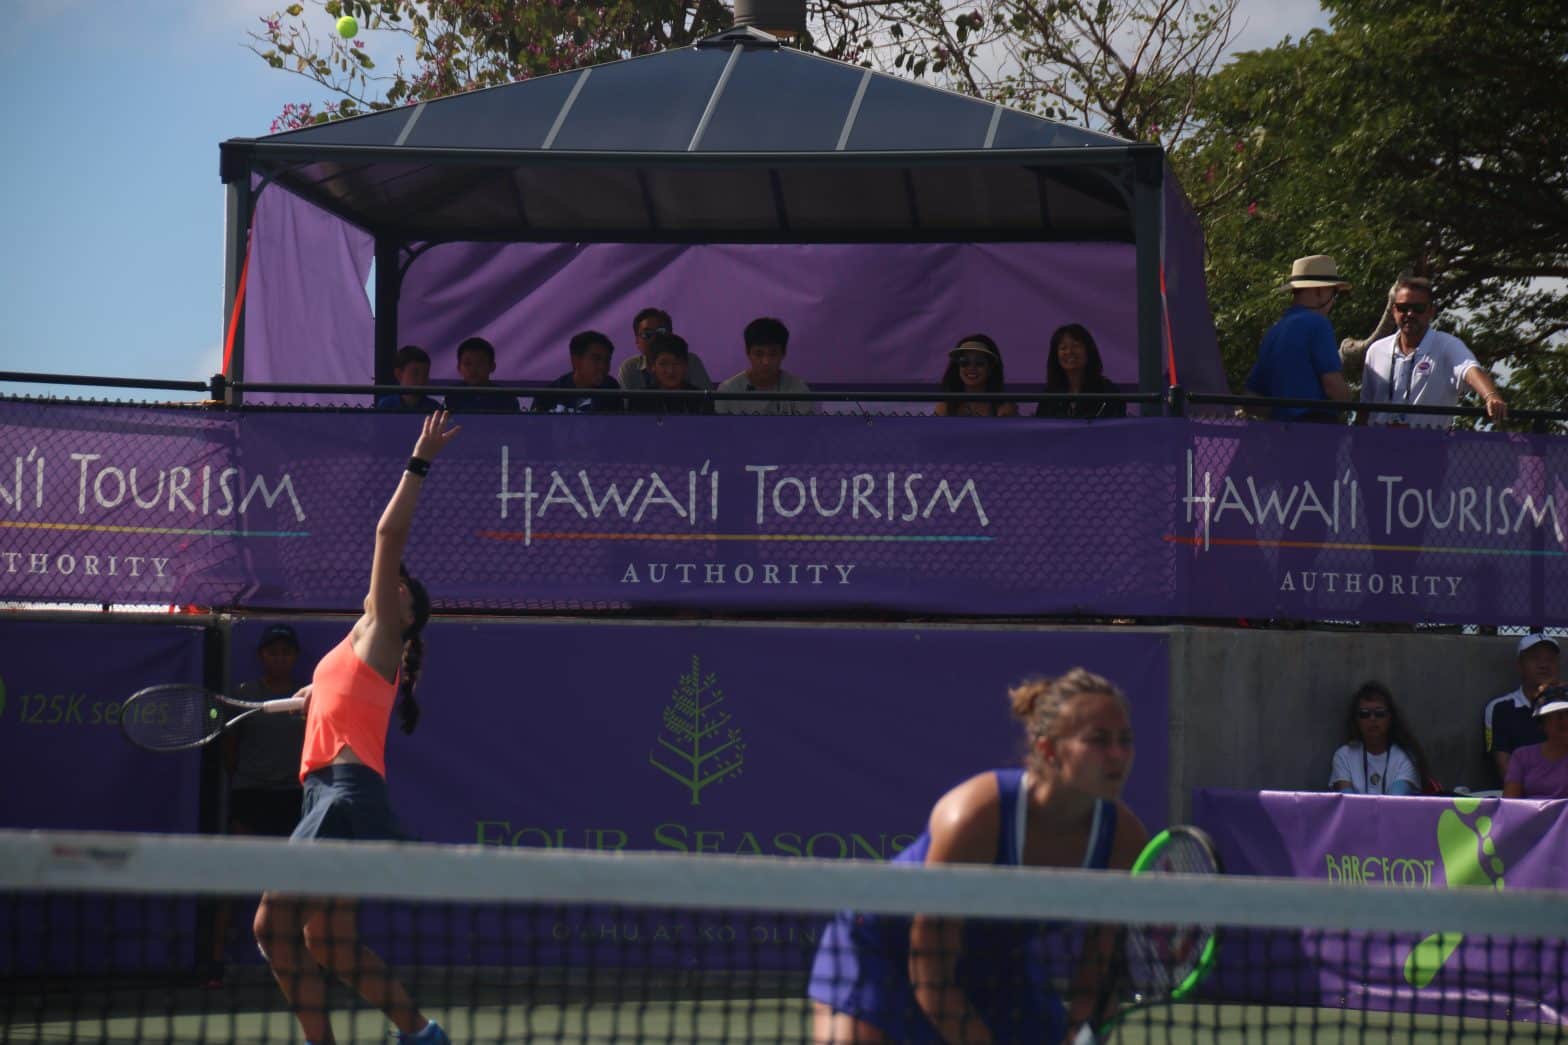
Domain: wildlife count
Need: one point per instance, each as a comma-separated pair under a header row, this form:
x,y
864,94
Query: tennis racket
x,y
1163,963
180,716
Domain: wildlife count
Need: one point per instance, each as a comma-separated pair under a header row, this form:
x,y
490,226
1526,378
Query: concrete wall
x,y
1255,709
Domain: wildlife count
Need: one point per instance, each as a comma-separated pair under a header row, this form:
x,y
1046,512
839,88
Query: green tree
x,y
1409,132
1131,68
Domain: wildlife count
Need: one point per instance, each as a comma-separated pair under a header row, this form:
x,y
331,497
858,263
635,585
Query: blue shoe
x,y
431,1035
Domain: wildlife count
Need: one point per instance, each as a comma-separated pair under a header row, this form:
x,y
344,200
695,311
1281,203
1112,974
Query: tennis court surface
x,y
102,937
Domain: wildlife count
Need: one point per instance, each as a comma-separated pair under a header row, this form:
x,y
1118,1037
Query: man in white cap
x,y
1508,722
1299,358
1419,366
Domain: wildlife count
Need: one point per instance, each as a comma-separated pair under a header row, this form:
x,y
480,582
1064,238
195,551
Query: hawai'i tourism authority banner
x,y
1157,517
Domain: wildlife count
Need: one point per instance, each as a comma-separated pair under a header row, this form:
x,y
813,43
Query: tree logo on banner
x,y
697,746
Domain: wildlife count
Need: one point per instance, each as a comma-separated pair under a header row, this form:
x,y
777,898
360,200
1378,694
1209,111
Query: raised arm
x,y
383,602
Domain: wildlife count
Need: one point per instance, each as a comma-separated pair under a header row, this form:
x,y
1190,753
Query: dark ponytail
x,y
413,652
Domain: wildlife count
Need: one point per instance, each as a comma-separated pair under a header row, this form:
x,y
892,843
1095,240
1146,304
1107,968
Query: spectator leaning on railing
x,y
1299,358
1419,366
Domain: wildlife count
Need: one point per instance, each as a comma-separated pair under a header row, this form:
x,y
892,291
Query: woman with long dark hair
x,y
1074,366
974,366
1380,755
343,768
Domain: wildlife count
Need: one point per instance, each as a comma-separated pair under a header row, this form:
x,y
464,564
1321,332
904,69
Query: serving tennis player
x,y
343,769
930,979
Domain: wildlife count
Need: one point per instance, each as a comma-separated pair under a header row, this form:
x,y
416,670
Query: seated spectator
x,y
1299,358
411,369
1508,723
667,372
649,324
590,352
1541,770
974,366
1381,757
766,342
1074,366
475,364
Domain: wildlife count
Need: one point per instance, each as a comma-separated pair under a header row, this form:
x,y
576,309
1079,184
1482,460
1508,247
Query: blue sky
x,y
112,258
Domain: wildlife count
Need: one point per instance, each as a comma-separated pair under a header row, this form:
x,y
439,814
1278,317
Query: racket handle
x,y
284,705
1085,1035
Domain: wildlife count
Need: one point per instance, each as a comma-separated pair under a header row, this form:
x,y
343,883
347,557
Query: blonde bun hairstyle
x,y
1043,705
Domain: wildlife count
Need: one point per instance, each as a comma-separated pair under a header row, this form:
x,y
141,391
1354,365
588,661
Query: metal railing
x,y
1174,401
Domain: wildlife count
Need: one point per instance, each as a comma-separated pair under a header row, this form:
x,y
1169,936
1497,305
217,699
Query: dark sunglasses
x,y
967,359
1418,307
649,335
1372,713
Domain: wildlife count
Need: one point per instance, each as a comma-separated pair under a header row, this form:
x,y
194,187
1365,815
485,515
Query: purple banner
x,y
65,765
828,742
1380,842
1157,517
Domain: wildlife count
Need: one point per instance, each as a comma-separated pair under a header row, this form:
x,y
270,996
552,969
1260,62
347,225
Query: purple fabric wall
x,y
307,315
875,314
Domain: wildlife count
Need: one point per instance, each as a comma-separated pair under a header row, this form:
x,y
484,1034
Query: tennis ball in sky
x,y
347,27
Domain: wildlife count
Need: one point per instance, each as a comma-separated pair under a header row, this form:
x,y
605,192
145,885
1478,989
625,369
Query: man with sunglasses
x,y
649,324
1299,357
1419,366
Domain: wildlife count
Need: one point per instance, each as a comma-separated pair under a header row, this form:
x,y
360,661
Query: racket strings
x,y
176,717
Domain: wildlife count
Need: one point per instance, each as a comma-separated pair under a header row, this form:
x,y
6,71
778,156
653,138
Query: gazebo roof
x,y
735,138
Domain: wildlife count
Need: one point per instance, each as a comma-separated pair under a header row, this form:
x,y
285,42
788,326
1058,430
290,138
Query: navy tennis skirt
x,y
349,802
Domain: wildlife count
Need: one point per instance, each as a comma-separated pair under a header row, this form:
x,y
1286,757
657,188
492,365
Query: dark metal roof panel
x,y
782,101
774,100
648,104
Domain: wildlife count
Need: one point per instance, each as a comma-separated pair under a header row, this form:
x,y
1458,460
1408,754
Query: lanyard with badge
x,y
1416,365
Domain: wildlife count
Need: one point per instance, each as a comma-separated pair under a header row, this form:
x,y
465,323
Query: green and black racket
x,y
1157,964
180,716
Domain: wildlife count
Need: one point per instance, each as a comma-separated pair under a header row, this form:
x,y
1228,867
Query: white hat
x,y
1534,639
1315,270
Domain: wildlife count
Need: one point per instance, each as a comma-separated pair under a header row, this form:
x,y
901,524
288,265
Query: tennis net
x,y
108,937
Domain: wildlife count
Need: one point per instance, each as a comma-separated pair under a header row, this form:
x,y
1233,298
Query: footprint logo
x,y
1464,841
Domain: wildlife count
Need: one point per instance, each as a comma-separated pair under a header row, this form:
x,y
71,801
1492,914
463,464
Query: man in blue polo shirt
x,y
1299,357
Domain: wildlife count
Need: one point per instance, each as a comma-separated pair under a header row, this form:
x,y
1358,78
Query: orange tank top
x,y
350,706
